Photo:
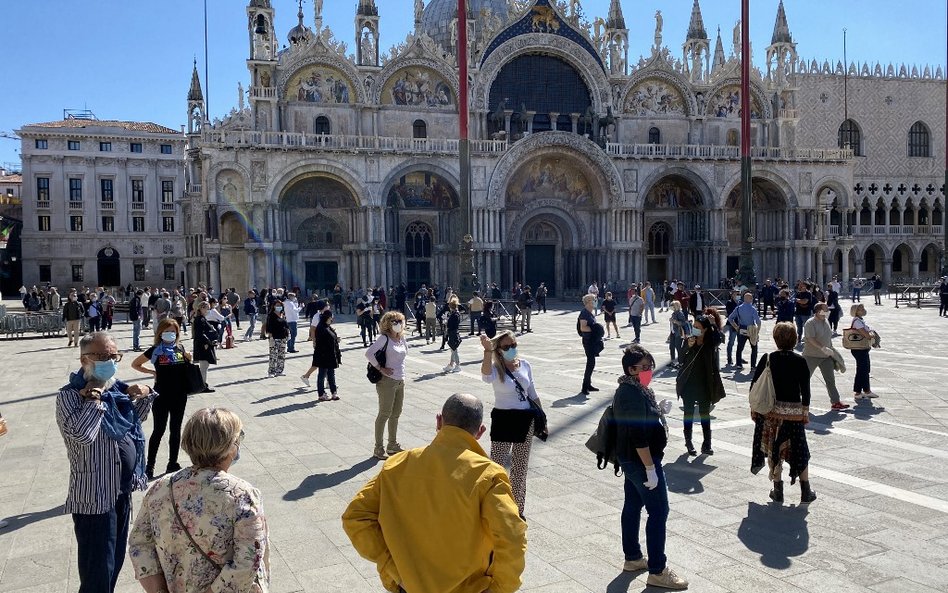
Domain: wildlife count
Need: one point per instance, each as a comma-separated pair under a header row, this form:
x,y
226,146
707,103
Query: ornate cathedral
x,y
343,166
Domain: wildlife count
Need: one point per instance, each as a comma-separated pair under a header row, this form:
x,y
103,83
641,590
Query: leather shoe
x,y
591,388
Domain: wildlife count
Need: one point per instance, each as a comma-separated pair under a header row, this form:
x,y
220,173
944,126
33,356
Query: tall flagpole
x,y
747,274
467,279
207,81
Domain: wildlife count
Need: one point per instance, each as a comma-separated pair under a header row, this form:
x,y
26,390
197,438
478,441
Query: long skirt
x,y
780,436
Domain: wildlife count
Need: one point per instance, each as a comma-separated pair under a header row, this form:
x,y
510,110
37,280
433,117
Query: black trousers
x,y
590,367
167,406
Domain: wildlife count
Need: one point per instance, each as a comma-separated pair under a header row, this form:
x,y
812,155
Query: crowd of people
x,y
201,527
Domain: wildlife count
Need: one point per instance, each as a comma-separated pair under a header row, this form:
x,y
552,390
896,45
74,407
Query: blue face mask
x,y
509,354
104,369
169,337
236,457
696,332
278,309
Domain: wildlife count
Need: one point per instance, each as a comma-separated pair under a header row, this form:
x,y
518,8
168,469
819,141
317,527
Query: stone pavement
x,y
880,470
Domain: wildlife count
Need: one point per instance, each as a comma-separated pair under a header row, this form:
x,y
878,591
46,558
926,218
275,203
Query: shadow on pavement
x,y
298,391
316,482
684,477
18,521
575,400
621,583
776,532
864,410
287,409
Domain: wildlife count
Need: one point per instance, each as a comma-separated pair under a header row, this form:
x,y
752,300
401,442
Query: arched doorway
x,y
872,260
540,242
901,268
418,241
320,236
770,227
108,264
928,264
657,252
234,235
677,203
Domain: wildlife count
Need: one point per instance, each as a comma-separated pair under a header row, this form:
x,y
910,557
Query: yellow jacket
x,y
440,519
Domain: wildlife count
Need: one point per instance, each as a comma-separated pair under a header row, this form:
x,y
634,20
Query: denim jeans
x,y
655,502
861,381
856,293
136,333
291,345
649,309
636,321
101,541
252,321
476,318
731,338
321,377
800,319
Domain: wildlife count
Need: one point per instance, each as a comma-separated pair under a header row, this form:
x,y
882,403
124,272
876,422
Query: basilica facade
x,y
344,166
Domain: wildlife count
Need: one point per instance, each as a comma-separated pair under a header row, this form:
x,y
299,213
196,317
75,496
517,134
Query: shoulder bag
x,y
854,340
539,416
177,516
603,442
374,375
762,396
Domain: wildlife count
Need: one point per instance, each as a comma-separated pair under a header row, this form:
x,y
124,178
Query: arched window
x,y
323,126
418,240
870,261
850,137
659,239
654,136
919,140
419,129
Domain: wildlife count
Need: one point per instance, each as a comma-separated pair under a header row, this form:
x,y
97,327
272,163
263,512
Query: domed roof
x,y
438,15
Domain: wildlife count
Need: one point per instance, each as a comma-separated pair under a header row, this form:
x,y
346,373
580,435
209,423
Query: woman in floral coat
x,y
203,529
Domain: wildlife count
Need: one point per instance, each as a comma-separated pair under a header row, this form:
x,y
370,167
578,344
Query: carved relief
x,y
654,97
396,69
258,175
230,187
630,180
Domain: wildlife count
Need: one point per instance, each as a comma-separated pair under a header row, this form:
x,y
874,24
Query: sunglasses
x,y
507,347
240,438
104,356
647,367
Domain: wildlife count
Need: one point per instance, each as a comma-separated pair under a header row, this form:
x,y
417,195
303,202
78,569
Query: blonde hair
x,y
498,362
209,435
855,309
166,324
385,324
676,306
589,299
785,335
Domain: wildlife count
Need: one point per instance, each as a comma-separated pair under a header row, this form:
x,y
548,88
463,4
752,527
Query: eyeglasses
x,y
240,438
507,347
647,367
104,356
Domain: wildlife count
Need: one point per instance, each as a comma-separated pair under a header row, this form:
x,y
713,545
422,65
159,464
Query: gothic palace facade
x,y
584,166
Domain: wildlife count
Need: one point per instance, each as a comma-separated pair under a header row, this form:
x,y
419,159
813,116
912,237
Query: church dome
x,y
438,15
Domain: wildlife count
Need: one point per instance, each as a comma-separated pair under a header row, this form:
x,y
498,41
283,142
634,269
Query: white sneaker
x,y
667,579
448,369
635,565
305,380
456,370
870,395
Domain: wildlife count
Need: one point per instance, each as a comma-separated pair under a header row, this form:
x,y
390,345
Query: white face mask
x,y
397,327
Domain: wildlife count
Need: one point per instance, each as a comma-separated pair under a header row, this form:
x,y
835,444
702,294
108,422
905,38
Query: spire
x,y
781,28
300,32
719,58
615,20
195,93
367,8
696,28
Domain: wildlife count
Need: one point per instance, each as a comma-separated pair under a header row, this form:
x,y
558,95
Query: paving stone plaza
x,y
880,469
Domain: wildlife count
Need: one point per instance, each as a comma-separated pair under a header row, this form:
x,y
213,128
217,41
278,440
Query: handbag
x,y
854,340
373,374
193,380
762,396
539,416
177,516
603,442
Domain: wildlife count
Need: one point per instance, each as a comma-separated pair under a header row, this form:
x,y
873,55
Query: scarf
x,y
649,395
120,418
164,349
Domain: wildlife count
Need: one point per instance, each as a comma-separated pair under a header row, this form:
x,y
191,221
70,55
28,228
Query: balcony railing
x,y
787,113
167,206
263,92
44,204
194,188
714,152
138,206
920,230
107,205
834,230
75,204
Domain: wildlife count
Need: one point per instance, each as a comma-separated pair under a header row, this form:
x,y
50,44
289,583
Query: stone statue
x,y
240,96
700,99
368,49
658,28
419,10
573,8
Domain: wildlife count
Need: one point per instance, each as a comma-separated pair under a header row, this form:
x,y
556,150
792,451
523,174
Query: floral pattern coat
x,y
224,516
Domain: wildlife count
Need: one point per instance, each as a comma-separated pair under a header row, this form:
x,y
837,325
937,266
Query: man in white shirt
x,y
291,309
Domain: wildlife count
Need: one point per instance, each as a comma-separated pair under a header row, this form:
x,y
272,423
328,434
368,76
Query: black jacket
x,y
205,338
134,308
638,424
790,374
326,354
277,326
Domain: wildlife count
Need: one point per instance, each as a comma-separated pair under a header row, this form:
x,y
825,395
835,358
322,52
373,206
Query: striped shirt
x,y
94,464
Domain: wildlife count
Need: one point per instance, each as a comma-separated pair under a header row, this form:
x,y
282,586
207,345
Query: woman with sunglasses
x,y
511,427
203,528
699,382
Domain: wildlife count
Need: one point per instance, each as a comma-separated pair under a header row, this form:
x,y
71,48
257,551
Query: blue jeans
x,y
321,377
101,541
252,319
861,381
856,293
655,502
800,319
136,333
731,338
291,345
476,318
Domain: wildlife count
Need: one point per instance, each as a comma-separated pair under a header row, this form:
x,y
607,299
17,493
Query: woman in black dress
x,y
699,382
326,357
489,320
832,303
453,336
780,434
609,315
205,341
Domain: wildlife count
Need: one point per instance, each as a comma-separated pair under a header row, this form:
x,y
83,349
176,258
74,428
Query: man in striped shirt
x,y
100,421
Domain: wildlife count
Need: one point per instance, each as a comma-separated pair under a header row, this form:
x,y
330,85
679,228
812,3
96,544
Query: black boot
x,y
806,494
688,444
776,494
706,431
150,472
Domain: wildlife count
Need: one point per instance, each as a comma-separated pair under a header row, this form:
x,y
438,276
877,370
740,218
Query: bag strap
x,y
520,390
177,515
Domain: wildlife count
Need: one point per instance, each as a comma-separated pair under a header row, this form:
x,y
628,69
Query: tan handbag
x,y
854,340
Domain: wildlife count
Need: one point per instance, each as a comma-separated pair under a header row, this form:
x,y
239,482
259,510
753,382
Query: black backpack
x,y
603,441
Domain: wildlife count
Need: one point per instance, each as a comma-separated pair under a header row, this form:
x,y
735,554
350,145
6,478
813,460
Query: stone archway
x,y
678,207
109,267
236,232
771,227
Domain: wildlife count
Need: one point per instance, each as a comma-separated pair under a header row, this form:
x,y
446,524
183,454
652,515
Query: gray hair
x,y
464,411
86,341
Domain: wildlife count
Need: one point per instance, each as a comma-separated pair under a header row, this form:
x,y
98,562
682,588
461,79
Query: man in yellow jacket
x,y
442,518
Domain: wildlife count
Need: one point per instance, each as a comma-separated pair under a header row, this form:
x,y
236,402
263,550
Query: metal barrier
x,y
919,295
15,325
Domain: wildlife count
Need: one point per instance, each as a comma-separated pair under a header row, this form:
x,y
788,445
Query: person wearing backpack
x,y
641,437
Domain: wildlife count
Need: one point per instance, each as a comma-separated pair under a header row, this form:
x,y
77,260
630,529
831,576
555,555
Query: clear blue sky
x,y
132,60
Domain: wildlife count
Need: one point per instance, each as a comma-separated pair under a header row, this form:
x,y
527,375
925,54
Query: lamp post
x,y
467,279
746,273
